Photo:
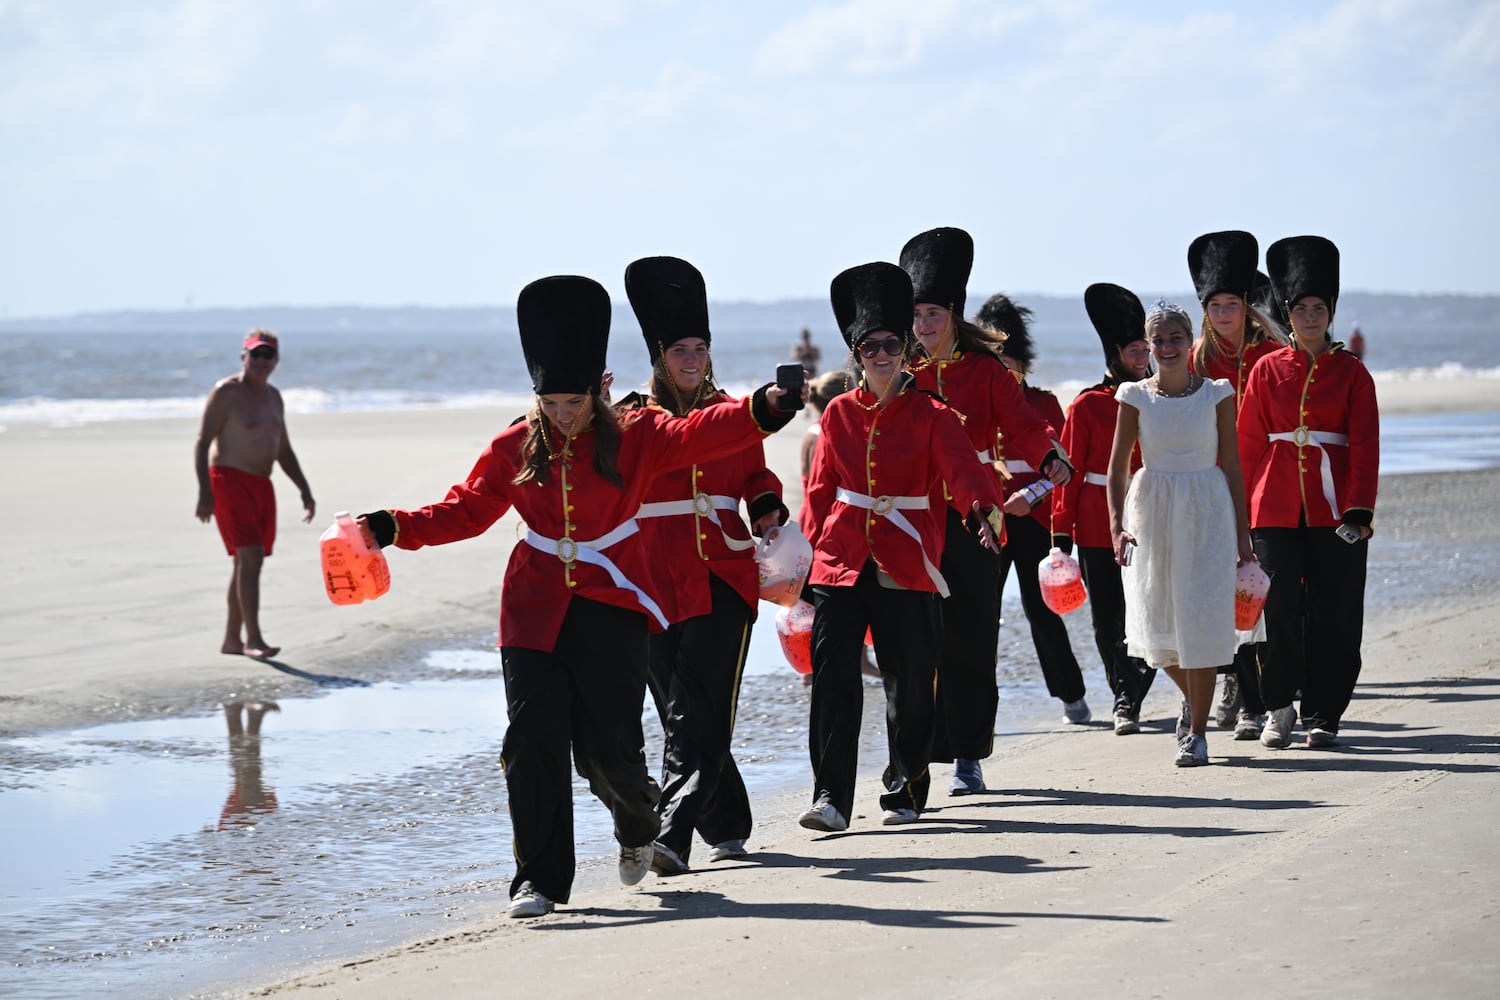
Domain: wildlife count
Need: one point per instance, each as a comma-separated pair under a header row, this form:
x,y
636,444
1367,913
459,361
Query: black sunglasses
x,y
869,347
263,353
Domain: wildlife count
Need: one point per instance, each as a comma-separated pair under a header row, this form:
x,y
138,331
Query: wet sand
x,y
114,607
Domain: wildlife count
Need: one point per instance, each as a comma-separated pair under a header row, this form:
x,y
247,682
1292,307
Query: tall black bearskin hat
x,y
669,300
1000,313
1262,297
1301,266
870,297
1223,262
939,262
1117,315
564,323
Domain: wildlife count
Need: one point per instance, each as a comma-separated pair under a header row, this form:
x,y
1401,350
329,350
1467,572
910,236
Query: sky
x,y
164,154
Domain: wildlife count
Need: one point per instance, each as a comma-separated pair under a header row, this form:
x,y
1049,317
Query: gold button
x,y
703,538
700,472
570,508
572,583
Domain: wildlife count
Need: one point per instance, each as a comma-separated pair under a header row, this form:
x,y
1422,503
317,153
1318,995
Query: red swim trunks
x,y
244,508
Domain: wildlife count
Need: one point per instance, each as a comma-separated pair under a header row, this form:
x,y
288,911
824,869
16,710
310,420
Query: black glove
x,y
1064,542
382,525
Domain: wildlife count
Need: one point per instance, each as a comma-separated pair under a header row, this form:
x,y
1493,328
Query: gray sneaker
x,y
1184,722
1192,751
1077,712
1126,726
1226,712
968,778
527,902
1279,725
666,862
727,851
635,862
823,817
1248,725
1317,737
898,817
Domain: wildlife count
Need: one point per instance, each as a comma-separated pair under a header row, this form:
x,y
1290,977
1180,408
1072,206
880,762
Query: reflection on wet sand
x,y
249,797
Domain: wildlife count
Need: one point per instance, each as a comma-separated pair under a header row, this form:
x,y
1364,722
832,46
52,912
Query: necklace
x,y
1192,384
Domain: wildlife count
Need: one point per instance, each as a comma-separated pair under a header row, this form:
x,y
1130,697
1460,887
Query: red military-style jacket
x,y
1236,370
1022,472
1081,508
1309,437
575,506
691,524
989,401
896,456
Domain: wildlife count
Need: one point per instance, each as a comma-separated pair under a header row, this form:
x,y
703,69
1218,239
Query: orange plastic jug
x,y
794,629
1250,587
1062,582
783,557
353,571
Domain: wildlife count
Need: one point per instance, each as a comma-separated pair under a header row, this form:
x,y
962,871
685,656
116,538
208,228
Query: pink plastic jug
x,y
784,557
1250,587
1062,582
794,629
353,571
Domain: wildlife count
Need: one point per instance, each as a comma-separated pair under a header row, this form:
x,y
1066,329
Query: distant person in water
x,y
805,351
1356,344
241,438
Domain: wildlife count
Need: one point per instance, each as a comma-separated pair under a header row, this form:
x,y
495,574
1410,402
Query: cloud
x,y
860,38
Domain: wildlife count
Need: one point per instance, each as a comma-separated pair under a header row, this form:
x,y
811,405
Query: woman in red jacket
x,y
574,614
1028,517
1309,436
960,364
703,575
1081,507
1234,335
885,452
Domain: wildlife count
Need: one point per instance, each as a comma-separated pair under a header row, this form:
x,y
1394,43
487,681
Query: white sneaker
x,y
824,817
1321,738
527,902
898,817
1279,724
1126,726
1184,722
635,862
1227,711
1077,712
727,851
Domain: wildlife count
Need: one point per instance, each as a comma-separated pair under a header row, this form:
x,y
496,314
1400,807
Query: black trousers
x,y
906,625
1247,669
586,696
1026,545
694,675
1315,620
966,694
1129,677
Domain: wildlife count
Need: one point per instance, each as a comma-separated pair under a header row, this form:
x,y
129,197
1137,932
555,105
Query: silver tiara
x,y
1164,308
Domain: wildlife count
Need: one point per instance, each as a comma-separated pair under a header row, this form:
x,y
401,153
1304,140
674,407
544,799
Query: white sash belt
x,y
985,455
1304,438
1018,466
704,505
570,550
1096,478
890,508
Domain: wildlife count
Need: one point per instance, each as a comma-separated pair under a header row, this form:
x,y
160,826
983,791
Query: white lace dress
x,y
1179,587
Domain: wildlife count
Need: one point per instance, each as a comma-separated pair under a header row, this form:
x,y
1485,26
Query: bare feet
x,y
261,651
232,647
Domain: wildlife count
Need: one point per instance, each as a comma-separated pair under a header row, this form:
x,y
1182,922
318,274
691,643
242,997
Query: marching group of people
x,y
935,471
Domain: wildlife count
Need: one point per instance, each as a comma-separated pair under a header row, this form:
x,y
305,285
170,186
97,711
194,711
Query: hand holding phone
x,y
1347,532
789,377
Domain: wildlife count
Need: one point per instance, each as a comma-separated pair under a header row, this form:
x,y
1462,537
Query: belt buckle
x,y
884,505
567,550
1301,436
703,504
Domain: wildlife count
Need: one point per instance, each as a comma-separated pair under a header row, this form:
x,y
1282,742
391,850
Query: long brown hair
x,y
536,451
971,338
670,398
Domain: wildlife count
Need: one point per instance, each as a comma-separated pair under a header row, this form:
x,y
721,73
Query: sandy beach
x,y
1364,869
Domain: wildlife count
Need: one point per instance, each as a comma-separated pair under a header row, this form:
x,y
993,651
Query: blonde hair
x,y
1210,348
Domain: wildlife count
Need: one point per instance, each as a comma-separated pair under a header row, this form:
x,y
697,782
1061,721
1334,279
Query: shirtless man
x,y
242,436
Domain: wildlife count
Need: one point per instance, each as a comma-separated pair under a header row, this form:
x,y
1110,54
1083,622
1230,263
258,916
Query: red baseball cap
x,y
260,338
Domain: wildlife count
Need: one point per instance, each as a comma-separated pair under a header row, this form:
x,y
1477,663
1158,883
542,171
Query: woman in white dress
x,y
1177,530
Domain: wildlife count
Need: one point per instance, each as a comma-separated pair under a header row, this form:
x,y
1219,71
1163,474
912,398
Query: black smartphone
x,y
789,377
